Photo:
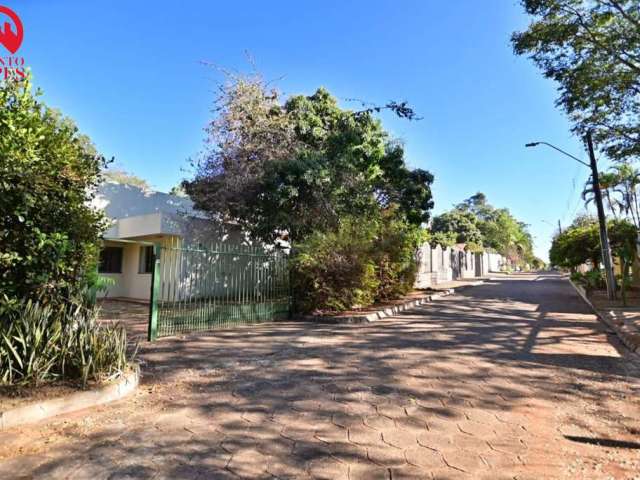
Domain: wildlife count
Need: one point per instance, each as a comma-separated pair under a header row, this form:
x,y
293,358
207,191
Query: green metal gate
x,y
203,288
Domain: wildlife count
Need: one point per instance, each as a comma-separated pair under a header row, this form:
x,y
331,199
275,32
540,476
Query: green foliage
x,y
444,239
482,226
30,347
619,187
581,243
92,284
41,344
334,270
537,264
592,50
302,165
591,280
331,179
394,256
463,224
361,262
474,247
48,233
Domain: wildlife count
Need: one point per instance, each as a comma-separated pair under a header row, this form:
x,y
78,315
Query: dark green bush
x,y
394,256
43,343
363,261
591,280
335,270
48,232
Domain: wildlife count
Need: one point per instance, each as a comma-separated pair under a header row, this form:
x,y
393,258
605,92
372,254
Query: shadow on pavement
x,y
471,383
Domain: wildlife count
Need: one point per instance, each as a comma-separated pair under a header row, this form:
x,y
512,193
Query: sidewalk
x,y
467,282
512,379
624,321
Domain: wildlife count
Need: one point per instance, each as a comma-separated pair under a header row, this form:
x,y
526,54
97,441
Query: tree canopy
x,y
301,164
581,242
462,224
475,221
592,49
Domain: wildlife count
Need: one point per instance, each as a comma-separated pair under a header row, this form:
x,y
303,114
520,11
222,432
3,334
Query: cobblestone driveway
x,y
512,379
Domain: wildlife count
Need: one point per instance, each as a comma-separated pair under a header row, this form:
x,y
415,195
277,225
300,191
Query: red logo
x,y
10,39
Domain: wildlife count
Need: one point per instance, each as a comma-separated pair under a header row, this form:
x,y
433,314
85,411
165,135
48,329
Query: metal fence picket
x,y
203,288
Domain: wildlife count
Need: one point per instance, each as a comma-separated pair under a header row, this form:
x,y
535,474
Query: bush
x,y
48,232
43,344
363,261
334,270
394,257
591,280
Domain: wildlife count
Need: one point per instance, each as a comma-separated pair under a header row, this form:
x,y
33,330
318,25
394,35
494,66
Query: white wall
x,y
130,283
434,265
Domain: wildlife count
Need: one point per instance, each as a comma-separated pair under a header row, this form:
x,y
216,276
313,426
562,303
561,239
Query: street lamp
x,y
604,236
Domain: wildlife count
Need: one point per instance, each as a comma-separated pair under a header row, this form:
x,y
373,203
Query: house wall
x,y
131,283
141,217
180,270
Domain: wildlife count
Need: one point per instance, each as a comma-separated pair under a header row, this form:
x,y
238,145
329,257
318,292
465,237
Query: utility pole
x,y
559,227
604,236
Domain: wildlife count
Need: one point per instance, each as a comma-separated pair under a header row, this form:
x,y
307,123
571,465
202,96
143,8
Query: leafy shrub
x,y
92,284
43,344
363,261
394,256
577,277
594,279
334,270
31,345
48,232
591,280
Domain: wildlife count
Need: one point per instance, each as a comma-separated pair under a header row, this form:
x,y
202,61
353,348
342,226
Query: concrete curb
x,y
630,338
34,412
385,312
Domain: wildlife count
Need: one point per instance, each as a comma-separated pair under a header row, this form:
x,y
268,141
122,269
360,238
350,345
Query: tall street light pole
x,y
604,236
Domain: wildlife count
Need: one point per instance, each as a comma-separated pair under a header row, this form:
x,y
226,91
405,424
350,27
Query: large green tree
x,y
591,48
48,171
301,165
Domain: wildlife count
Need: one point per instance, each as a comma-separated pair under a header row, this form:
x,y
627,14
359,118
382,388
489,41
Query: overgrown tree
x,y
300,165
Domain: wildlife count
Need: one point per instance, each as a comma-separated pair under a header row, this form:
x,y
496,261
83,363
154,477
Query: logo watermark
x,y
11,36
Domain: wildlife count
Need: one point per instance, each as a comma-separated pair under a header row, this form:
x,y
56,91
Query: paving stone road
x,y
511,379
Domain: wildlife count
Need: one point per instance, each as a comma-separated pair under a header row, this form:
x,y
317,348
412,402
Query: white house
x,y
141,218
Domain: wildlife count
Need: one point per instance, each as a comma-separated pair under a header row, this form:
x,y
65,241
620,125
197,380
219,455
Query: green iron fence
x,y
203,288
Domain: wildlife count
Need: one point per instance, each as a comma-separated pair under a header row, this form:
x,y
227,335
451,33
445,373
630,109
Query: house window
x,y
110,260
146,260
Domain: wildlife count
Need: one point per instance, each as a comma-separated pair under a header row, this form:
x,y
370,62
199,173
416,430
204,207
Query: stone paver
x,y
514,379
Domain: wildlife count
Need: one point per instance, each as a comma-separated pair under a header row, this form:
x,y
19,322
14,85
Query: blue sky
x,y
130,74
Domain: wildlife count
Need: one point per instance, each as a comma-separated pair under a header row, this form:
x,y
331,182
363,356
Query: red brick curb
x,y
34,412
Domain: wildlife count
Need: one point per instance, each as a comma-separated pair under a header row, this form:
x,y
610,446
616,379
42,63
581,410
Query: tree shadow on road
x,y
290,399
